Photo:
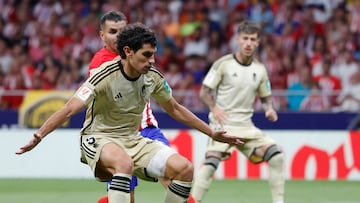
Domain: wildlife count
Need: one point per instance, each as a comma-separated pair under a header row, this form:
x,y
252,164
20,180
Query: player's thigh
x,y
178,167
104,156
255,148
150,159
218,149
114,159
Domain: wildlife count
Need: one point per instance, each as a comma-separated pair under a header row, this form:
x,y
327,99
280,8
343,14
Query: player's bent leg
x,y
180,171
133,184
275,159
169,164
114,160
204,178
155,133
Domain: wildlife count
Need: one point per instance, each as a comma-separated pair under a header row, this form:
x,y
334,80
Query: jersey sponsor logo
x,y
167,87
84,93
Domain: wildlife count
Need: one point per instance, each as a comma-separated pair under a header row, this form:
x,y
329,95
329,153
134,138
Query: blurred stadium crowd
x,y
311,48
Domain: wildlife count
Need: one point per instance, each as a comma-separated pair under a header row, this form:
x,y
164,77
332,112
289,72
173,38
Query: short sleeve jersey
x,y
116,102
236,87
104,55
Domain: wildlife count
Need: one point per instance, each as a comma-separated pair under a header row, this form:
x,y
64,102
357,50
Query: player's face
x,y
143,59
109,33
247,43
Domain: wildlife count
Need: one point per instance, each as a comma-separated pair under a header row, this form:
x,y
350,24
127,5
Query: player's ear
x,y
101,34
127,51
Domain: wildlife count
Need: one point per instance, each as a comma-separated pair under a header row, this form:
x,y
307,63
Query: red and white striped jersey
x,y
148,118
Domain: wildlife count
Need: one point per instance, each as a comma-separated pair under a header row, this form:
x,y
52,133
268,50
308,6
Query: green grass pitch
x,y
229,191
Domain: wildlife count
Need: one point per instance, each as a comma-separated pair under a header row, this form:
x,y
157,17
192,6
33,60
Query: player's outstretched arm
x,y
72,107
183,115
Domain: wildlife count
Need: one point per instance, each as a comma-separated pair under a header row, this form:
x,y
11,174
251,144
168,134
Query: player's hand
x,y
219,115
29,146
271,115
222,136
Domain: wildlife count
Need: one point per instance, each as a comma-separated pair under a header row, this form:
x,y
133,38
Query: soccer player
x,y
115,96
110,25
236,80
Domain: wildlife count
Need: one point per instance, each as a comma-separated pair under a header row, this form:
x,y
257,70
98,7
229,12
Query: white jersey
x,y
116,102
236,86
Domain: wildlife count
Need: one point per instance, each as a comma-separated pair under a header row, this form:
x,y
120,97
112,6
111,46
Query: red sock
x,y
103,199
191,199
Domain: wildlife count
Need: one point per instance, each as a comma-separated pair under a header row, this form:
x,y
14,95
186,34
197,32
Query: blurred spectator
x,y
2,89
5,57
297,92
316,101
300,62
188,93
173,75
171,27
349,98
196,44
317,53
44,9
196,66
262,14
322,9
14,82
48,73
344,67
354,9
328,83
169,55
85,58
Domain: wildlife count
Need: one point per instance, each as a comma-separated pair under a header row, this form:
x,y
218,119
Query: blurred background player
x,y
110,24
237,79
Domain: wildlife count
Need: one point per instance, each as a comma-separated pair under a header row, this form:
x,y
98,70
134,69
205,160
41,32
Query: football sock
x,y
103,199
119,190
178,192
202,182
277,177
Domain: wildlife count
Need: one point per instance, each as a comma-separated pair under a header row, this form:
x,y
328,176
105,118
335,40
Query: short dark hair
x,y
135,36
249,27
112,16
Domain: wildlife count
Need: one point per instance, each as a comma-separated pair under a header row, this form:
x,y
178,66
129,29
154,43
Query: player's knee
x,y
274,157
124,166
120,163
186,171
271,152
179,168
212,161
